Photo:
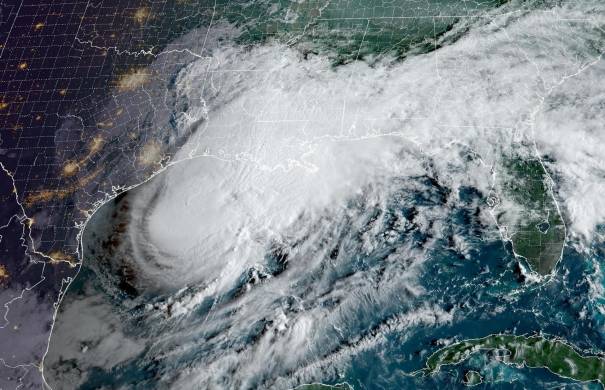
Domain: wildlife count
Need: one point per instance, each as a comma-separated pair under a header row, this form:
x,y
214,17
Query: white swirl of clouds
x,y
282,145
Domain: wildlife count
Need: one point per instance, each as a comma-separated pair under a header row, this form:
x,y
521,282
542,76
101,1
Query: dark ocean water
x,y
490,301
481,287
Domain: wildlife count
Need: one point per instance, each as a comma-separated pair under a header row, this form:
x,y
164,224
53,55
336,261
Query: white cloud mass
x,y
281,147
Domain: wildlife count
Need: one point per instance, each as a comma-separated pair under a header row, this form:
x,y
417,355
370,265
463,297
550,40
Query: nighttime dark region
x,y
302,194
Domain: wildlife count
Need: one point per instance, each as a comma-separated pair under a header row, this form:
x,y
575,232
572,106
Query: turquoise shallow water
x,y
557,308
489,297
386,285
480,289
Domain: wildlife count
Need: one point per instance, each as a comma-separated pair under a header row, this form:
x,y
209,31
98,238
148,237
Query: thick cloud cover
x,y
290,155
519,78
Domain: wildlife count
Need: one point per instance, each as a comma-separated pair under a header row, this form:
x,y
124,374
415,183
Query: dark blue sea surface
x,y
489,298
481,287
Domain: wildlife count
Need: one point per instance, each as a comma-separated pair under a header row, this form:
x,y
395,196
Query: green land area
x,y
342,30
531,351
347,30
534,223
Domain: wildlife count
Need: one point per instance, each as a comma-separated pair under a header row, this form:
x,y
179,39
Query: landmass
x,y
528,215
555,355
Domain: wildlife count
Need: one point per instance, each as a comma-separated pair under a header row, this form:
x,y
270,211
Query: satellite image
x,y
302,194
